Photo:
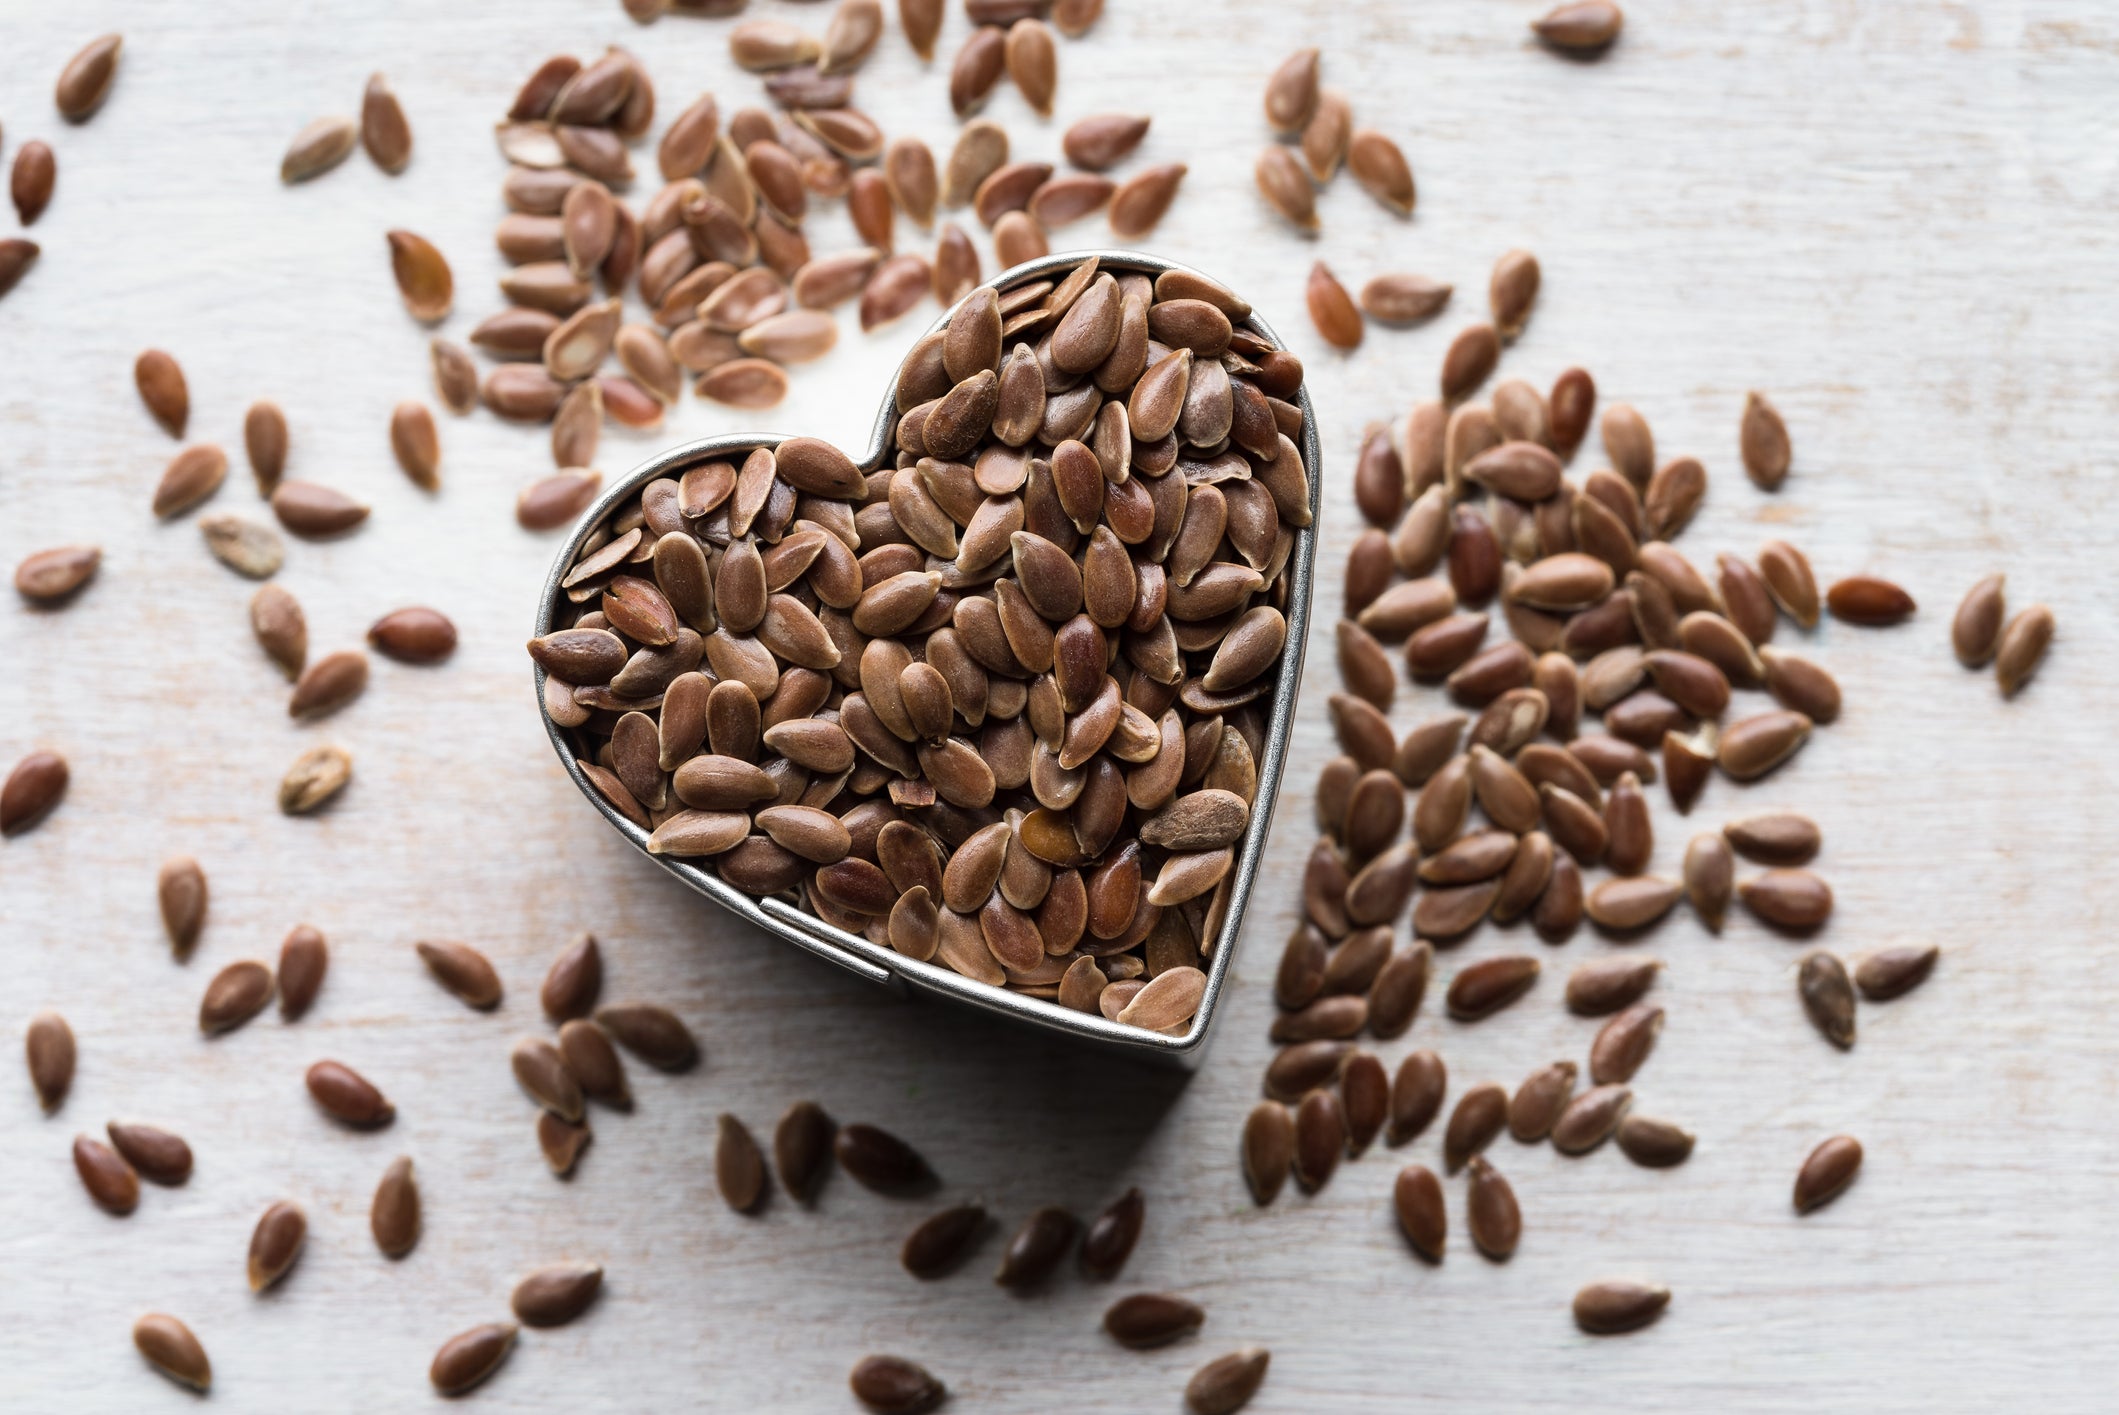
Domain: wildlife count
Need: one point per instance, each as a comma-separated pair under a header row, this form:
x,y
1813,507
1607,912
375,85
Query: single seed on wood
x,y
469,1357
1651,1143
275,1243
1226,1384
1490,1204
49,1045
171,1349
892,1385
1147,1320
1828,997
394,1214
1615,1306
1867,600
1894,972
554,1296
2023,646
739,1165
1826,1173
1763,440
1580,27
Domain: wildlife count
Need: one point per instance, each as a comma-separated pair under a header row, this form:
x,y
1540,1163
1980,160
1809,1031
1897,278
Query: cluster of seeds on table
x,y
1510,805
1001,704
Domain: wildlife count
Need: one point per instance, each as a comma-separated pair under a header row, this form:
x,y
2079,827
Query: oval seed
x,y
171,1349
275,1243
469,1357
554,1296
394,1213
892,1385
1826,1173
1614,1306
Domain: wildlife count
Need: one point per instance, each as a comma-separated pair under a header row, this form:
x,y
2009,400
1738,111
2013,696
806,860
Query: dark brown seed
x,y
1538,1102
942,1241
1416,1198
879,1160
347,1095
171,1349
1774,837
1757,744
1150,1319
1653,1144
33,788
1865,599
1894,972
1496,1221
739,1165
1111,1236
802,1146
1365,1094
554,1296
304,957
469,1357
275,1243
1830,1168
1395,995
110,1181
414,635
1269,1147
593,1062
892,1385
1828,997
1619,1305
1035,1249
1226,1384
1416,1095
49,1046
1623,1044
1474,1123
654,1034
237,993
1320,1138
393,1215
464,971
1483,988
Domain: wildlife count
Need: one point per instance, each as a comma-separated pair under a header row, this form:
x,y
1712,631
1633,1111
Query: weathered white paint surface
x,y
1896,217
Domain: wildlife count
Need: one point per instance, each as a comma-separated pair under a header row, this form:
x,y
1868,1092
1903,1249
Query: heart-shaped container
x,y
806,931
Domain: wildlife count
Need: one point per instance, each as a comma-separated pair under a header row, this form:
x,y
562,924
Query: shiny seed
x,y
171,1349
1226,1384
1789,899
1867,600
1490,1204
2023,646
1614,1306
1150,1319
83,85
275,1243
1651,1143
469,1357
1590,1118
34,786
348,1096
237,993
880,1161
1894,972
317,148
1826,1173
892,1385
1475,1122
394,1214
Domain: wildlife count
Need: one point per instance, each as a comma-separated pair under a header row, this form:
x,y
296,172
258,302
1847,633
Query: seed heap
x,y
997,704
1468,506
719,255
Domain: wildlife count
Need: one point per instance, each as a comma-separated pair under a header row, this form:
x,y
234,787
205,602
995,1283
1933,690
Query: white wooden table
x,y
1897,218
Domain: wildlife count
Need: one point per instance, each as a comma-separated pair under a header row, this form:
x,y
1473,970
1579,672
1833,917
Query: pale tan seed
x,y
455,382
317,148
1324,137
1404,299
553,501
1286,187
749,383
281,630
316,776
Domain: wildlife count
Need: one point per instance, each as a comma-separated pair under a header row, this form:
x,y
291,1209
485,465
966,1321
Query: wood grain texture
x,y
1896,218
